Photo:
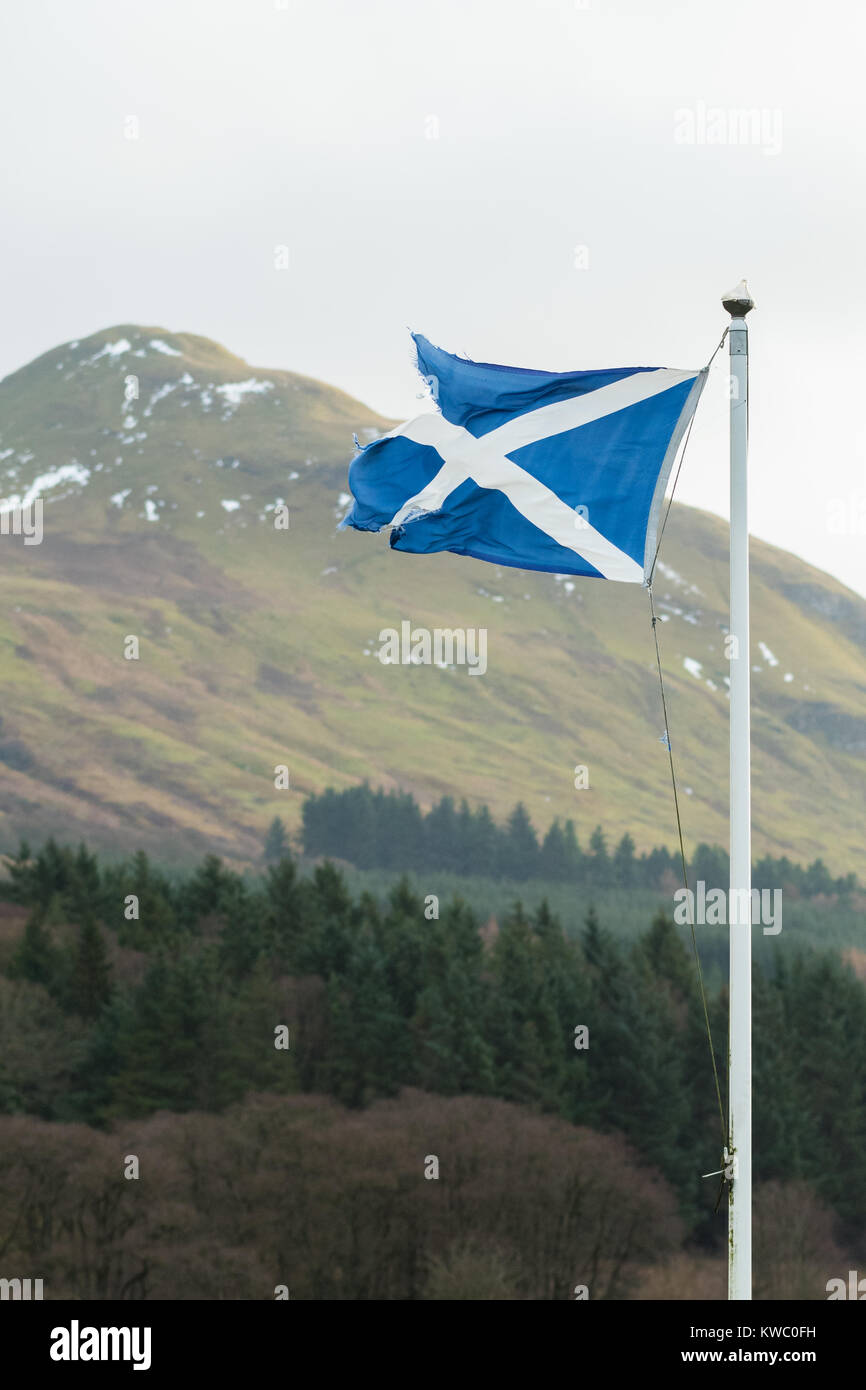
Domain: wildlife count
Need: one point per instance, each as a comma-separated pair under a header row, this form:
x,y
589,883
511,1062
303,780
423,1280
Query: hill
x,y
162,458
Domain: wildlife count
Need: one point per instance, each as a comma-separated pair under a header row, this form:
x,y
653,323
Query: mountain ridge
x,y
258,646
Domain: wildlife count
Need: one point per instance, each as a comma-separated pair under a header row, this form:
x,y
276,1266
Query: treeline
x,y
125,992
293,1196
296,1197
389,830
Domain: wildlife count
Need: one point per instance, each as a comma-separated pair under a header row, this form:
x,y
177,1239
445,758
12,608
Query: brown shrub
x,y
333,1203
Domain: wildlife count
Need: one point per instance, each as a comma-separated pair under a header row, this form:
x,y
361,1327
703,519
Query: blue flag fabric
x,y
558,471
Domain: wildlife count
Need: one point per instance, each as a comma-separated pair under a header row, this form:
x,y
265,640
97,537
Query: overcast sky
x,y
554,184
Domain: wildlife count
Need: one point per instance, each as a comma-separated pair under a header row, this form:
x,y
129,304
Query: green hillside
x,y
257,645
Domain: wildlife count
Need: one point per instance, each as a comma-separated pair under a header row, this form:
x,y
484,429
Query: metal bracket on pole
x,y
729,1170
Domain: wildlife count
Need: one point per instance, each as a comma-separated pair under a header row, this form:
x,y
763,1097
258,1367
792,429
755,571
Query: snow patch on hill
x,y
768,656
45,482
110,350
674,578
234,392
159,395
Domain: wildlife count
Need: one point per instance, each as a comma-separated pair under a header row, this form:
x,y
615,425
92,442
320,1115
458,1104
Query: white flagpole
x,y
739,1158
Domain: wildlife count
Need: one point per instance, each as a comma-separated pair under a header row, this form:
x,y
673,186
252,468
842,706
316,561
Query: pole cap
x,y
738,302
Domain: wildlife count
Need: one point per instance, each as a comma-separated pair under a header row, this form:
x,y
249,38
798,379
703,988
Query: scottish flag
x,y
560,471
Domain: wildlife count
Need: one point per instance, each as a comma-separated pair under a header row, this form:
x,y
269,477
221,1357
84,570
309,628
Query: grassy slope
x,y
255,643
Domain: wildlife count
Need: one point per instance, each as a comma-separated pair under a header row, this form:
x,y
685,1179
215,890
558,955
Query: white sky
x,y
306,123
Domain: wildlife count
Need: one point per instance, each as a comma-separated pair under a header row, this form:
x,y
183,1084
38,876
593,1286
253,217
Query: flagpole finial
x,y
738,301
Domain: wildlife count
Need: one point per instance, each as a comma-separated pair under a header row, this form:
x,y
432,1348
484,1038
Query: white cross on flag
x,y
559,471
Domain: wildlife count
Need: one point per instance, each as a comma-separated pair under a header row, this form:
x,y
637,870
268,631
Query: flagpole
x,y
739,1157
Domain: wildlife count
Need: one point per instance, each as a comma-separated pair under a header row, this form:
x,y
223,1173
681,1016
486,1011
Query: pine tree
x,y
817,879
710,865
657,868
442,836
636,1080
552,859
560,964
572,854
157,919
825,1009
316,814
19,867
205,894
369,1053
254,1063
401,833
597,944
486,840
465,835
451,1053
523,1029
784,1138
284,912
325,944
520,853
90,977
244,934
165,1048
624,863
359,833
599,861
276,841
667,956
83,886
401,936
36,958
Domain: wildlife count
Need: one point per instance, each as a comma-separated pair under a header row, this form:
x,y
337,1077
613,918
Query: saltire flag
x,y
558,471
